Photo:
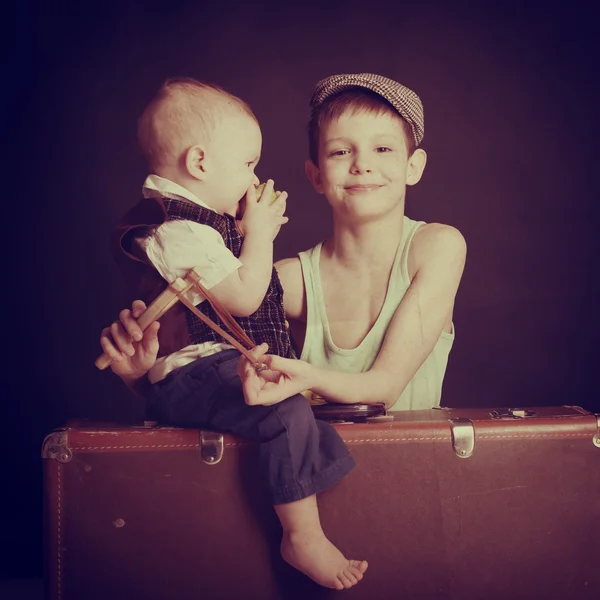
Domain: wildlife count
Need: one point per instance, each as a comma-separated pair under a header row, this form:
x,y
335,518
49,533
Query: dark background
x,y
510,93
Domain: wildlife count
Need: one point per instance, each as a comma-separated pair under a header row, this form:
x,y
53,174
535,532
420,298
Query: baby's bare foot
x,y
316,557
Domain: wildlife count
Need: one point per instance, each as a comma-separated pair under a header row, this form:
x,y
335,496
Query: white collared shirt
x,y
174,248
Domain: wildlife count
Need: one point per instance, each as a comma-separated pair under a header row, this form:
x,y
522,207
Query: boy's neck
x,y
366,243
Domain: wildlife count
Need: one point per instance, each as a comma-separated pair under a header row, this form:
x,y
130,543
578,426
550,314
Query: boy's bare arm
x,y
242,292
439,255
294,300
290,275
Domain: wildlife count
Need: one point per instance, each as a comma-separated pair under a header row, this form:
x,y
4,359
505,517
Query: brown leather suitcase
x,y
446,504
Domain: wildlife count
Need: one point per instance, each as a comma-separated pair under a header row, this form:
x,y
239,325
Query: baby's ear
x,y
195,162
314,175
416,166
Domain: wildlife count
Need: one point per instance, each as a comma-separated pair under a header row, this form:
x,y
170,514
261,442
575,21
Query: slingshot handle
x,y
154,312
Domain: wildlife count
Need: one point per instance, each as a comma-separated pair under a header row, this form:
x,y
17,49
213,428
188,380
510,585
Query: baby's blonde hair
x,y
183,112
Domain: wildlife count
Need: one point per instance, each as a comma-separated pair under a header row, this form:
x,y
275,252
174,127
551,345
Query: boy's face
x,y
232,155
363,163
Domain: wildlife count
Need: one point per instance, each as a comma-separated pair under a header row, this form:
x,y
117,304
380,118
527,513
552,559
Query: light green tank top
x,y
425,389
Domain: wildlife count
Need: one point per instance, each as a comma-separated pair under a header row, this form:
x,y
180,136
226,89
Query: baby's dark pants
x,y
300,455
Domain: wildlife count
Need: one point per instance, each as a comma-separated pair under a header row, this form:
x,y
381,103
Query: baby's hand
x,y
262,216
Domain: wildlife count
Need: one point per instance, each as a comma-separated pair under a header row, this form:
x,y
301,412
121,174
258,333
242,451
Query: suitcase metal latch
x,y
463,437
211,447
596,438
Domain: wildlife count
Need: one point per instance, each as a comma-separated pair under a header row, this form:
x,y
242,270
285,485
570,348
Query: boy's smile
x,y
360,188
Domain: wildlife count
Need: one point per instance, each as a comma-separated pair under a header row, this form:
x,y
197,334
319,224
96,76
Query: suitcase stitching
x,y
481,435
59,533
133,447
548,435
359,441
154,446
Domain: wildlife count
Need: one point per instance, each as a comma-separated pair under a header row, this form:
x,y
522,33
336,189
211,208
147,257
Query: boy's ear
x,y
416,166
314,175
195,162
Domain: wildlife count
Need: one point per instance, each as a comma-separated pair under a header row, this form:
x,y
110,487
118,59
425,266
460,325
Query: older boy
x,y
371,307
202,145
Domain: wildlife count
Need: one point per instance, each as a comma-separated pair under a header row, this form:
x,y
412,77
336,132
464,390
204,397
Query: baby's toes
x,y
360,565
346,579
356,572
351,576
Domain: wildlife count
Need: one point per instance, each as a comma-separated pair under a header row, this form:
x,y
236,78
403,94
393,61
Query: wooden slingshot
x,y
176,292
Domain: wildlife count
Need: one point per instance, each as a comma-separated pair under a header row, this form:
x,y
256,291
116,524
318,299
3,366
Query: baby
x,y
202,145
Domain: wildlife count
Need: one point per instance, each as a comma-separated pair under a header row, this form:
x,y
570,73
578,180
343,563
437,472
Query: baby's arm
x,y
242,292
439,255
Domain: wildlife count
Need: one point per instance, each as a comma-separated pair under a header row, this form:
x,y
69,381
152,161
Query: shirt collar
x,y
156,186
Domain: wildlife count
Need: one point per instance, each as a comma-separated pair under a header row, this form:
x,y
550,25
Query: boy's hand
x,y
283,377
133,351
261,217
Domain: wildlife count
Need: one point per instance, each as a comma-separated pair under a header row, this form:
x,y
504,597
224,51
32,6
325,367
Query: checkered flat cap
x,y
405,101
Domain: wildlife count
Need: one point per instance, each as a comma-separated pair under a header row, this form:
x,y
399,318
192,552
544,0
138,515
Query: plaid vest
x,y
179,326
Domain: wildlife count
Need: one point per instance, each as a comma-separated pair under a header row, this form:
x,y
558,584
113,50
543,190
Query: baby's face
x,y
233,153
363,163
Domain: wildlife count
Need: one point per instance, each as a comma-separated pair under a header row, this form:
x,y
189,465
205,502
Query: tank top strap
x,y
401,274
309,262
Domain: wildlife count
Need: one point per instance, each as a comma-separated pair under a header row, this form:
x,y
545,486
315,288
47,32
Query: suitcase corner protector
x,y
56,446
596,438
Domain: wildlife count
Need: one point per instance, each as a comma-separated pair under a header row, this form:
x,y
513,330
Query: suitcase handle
x,y
513,413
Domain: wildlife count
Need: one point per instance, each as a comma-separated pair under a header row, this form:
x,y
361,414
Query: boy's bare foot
x,y
315,556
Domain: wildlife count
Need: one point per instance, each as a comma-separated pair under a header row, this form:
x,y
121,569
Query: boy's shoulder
x,y
290,273
438,232
437,244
